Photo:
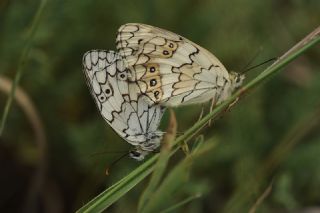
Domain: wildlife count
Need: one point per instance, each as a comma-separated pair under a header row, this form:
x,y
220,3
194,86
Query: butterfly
x,y
171,70
128,114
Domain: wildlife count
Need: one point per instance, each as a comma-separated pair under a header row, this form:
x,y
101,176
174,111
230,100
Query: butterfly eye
x,y
238,78
153,82
134,153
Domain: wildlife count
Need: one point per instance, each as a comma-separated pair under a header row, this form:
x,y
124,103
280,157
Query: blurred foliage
x,y
81,145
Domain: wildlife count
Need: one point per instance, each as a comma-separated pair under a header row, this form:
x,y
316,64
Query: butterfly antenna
x,y
116,161
251,60
255,66
106,152
178,133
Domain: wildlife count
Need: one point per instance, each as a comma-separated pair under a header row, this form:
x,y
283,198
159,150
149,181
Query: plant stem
x,y
21,64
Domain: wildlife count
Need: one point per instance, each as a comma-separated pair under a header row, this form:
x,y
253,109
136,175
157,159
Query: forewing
x,y
101,69
168,68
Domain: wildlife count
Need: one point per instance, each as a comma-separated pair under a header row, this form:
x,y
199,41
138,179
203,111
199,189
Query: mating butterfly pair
x,y
152,69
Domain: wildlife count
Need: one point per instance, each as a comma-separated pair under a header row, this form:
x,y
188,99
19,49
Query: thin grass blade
x,y
162,161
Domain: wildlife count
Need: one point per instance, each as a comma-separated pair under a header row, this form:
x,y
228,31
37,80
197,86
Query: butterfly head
x,y
138,154
236,79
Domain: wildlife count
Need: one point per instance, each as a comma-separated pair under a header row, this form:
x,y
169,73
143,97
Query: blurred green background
x,y
273,131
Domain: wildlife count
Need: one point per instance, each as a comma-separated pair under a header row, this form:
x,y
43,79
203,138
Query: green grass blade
x,y
116,191
174,181
108,197
162,162
22,62
261,198
244,194
181,203
197,143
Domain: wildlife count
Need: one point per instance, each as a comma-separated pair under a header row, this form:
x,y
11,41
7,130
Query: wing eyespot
x,y
122,76
156,94
171,45
153,82
165,52
108,90
152,69
102,98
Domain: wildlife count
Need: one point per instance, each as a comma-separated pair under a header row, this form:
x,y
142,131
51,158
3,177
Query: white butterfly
x,y
171,70
130,116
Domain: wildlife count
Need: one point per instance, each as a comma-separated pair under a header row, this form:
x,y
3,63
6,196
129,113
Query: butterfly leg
x,y
201,113
232,104
213,103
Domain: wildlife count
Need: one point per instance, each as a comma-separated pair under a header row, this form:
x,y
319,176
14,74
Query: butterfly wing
x,y
170,69
121,108
100,70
